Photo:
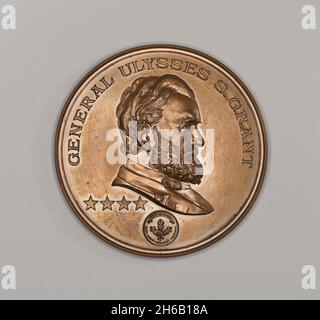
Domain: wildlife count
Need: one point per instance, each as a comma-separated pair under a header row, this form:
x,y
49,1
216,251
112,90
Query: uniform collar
x,y
162,190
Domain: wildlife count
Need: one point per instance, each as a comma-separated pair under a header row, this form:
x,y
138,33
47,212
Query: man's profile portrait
x,y
158,117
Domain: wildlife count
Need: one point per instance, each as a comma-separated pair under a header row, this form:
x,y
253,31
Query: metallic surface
x,y
138,208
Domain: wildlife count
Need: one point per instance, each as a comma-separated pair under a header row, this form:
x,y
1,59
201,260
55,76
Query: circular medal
x,y
160,150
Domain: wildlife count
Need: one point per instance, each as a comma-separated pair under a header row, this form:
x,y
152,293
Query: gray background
x,y
54,45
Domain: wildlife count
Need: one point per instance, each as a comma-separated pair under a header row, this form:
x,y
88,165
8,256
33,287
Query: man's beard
x,y
181,172
185,172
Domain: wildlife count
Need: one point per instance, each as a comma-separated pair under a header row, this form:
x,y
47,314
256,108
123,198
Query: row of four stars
x,y
107,203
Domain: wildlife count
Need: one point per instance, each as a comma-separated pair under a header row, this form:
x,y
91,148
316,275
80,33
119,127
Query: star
x,y
90,203
123,204
107,203
140,204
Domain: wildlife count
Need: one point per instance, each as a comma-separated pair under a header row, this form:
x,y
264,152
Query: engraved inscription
x,y
243,122
80,116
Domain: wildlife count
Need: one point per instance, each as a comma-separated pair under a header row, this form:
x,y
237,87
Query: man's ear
x,y
144,132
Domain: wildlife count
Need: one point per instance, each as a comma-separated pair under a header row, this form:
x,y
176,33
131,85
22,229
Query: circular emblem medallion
x,y
160,228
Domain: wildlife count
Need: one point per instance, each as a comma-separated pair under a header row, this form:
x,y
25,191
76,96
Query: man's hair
x,y
143,101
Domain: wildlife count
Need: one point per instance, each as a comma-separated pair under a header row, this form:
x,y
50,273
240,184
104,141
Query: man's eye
x,y
187,126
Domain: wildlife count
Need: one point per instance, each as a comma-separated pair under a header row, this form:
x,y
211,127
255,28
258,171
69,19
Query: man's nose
x,y
198,138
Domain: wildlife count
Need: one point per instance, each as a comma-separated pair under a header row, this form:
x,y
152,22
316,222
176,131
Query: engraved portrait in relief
x,y
159,119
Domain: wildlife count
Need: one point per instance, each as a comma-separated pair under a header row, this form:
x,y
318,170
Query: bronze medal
x,y
160,150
